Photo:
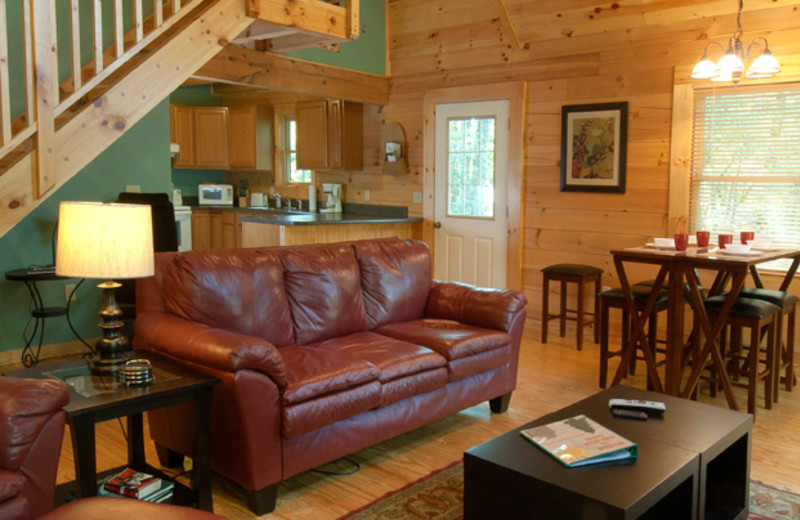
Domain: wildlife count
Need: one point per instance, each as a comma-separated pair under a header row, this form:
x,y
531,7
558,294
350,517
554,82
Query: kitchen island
x,y
217,227
275,229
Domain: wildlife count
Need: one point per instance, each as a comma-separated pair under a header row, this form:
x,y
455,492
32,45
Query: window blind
x,y
745,171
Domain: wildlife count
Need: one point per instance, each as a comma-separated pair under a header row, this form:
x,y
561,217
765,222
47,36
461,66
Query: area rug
x,y
439,496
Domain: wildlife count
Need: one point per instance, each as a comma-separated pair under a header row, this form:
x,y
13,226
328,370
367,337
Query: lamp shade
x,y
104,241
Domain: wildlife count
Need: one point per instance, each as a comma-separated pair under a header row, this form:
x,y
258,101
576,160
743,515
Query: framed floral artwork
x,y
594,147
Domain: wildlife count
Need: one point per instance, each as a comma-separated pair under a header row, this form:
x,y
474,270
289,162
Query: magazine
x,y
579,441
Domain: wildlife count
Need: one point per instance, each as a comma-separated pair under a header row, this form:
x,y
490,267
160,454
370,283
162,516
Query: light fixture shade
x,y
104,241
729,64
705,69
765,66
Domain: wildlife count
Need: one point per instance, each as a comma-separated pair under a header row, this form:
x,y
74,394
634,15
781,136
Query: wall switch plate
x,y
366,195
133,188
68,288
417,197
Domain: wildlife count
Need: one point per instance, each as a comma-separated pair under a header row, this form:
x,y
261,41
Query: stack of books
x,y
136,484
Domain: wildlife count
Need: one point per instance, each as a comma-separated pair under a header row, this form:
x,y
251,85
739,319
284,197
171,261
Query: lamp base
x,y
107,367
110,349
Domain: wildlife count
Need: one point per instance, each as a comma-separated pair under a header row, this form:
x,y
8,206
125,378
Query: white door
x,y
470,214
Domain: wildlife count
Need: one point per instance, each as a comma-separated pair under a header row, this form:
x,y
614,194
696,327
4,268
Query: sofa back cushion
x,y
324,292
238,290
395,278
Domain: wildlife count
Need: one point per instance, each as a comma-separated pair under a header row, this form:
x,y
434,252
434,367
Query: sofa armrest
x,y
215,348
11,484
479,306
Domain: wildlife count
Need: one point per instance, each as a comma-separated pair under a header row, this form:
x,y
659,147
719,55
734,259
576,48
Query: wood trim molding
x,y
680,161
516,93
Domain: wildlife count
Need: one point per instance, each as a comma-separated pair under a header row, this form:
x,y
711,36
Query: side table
x,y
95,399
39,312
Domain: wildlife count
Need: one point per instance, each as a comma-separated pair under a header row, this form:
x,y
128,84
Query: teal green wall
x,y
140,157
367,53
187,180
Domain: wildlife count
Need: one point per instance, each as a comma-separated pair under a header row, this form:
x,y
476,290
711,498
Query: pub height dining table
x,y
678,271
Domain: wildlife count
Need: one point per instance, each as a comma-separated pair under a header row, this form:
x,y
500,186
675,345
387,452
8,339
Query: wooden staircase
x,y
65,125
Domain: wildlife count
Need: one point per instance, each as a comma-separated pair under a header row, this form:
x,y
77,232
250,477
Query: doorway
x,y
470,214
507,204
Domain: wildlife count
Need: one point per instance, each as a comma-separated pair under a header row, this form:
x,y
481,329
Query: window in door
x,y
471,167
745,171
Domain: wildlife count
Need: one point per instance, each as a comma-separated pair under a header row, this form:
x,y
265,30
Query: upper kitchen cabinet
x,y
250,137
202,134
330,135
222,138
181,131
211,137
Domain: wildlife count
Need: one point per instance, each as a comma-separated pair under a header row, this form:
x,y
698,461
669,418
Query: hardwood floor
x,y
550,376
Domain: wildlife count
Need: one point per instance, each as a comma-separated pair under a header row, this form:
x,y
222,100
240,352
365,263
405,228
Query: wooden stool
x,y
784,351
615,299
758,316
571,273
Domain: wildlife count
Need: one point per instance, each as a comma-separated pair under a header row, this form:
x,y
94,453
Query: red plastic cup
x,y
725,239
702,238
747,236
681,241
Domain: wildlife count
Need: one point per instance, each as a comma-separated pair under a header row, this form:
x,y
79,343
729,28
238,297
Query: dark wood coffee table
x,y
693,463
95,399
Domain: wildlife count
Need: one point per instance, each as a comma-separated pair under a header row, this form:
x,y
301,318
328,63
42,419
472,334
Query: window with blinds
x,y
746,162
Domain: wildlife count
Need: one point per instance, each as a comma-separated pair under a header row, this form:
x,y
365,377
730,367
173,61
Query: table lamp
x,y
105,241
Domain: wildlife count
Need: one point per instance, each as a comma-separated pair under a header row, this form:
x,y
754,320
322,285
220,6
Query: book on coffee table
x,y
579,441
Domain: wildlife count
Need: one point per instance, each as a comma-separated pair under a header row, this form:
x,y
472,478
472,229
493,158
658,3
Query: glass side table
x,y
94,399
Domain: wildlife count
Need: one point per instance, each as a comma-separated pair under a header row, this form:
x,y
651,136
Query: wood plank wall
x,y
573,52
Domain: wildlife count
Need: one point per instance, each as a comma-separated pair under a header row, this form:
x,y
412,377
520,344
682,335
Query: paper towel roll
x,y
312,198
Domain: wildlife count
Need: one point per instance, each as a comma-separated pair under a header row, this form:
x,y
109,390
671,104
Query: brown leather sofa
x,y
31,431
321,351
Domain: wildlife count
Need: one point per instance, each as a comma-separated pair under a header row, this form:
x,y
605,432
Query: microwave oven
x,y
211,194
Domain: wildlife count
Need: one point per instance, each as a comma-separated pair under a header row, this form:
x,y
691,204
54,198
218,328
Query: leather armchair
x,y
31,431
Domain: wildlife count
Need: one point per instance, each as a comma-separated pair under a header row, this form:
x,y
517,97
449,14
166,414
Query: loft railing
x,y
37,36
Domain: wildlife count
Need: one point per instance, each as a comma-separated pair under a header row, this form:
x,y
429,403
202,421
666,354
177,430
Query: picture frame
x,y
594,146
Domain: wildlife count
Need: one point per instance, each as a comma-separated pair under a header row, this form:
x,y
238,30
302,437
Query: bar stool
x,y
758,316
571,273
784,351
615,299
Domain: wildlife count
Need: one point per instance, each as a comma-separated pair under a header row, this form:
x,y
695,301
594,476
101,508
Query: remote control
x,y
629,414
649,407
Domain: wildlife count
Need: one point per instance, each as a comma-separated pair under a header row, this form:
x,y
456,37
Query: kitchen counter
x,y
300,219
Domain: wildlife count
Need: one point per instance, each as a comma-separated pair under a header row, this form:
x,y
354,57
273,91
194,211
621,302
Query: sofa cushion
x,y
324,387
395,278
405,369
239,290
455,341
324,291
311,372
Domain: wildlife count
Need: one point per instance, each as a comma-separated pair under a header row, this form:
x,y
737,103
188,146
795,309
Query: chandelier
x,y
731,66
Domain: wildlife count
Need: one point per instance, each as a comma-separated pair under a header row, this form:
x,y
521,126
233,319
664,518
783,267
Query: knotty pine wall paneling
x,y
574,52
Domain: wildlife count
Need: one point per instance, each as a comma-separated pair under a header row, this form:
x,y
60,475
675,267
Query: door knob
x,y
437,225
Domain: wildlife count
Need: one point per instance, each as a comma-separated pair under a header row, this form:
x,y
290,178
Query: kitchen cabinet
x,y
330,135
250,138
181,131
201,229
222,138
215,229
211,137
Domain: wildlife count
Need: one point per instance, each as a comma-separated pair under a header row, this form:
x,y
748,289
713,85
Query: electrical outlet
x,y
68,288
133,188
366,195
417,197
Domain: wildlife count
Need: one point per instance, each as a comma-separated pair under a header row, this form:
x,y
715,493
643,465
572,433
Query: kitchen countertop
x,y
300,218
